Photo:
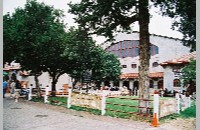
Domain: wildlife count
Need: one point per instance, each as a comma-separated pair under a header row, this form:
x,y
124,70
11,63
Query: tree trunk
x,y
37,86
144,54
74,83
53,86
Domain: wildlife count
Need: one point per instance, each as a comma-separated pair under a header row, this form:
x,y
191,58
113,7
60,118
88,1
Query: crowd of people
x,y
14,88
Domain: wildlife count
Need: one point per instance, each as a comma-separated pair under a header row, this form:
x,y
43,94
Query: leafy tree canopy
x,y
104,17
189,72
185,11
35,37
84,55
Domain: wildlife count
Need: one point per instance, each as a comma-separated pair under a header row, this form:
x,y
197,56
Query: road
x,y
28,115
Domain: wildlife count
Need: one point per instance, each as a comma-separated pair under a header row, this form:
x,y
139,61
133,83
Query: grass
x,y
90,110
189,112
36,99
121,108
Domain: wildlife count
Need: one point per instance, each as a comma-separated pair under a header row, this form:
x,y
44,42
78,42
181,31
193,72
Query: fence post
x,y
183,104
137,92
69,98
46,94
156,105
103,103
178,103
190,100
30,92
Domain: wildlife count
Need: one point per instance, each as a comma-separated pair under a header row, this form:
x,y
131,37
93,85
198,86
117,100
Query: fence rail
x,y
160,107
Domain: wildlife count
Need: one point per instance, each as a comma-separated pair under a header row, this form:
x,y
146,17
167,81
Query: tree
x,y
105,17
107,67
84,56
78,50
185,12
189,72
35,37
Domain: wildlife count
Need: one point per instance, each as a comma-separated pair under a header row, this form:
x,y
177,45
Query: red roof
x,y
136,75
181,60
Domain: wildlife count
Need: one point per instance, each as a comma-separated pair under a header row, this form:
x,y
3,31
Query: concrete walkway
x,y
27,115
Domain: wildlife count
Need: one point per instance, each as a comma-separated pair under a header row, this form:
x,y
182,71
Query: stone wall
x,y
167,107
89,101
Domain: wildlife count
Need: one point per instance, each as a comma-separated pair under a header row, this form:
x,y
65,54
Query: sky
x,y
159,25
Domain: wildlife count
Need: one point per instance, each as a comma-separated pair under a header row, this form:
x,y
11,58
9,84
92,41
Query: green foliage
x,y
36,35
185,10
36,38
189,72
84,55
105,17
107,67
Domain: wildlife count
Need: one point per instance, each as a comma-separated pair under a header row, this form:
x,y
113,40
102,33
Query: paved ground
x,y
27,115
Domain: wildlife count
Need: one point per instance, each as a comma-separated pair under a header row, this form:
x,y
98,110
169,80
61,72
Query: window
x,y
123,45
177,83
154,50
155,64
134,66
151,84
124,66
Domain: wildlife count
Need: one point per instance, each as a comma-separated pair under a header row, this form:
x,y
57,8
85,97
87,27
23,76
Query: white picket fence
x,y
182,102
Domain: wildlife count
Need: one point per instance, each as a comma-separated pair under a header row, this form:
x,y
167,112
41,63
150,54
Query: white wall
x,y
169,48
45,80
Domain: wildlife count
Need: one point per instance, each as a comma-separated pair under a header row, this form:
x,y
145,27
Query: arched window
x,y
177,83
129,48
155,64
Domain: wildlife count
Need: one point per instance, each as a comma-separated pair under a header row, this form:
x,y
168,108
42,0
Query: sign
x,y
87,76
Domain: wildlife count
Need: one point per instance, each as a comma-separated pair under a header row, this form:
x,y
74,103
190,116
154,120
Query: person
x,y
5,85
17,90
12,87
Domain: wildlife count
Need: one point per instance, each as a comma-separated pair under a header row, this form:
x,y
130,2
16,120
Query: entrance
x,y
160,84
136,85
126,83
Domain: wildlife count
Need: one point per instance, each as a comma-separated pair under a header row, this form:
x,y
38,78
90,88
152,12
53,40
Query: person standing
x,y
17,90
12,87
5,85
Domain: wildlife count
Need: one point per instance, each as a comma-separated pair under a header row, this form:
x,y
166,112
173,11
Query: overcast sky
x,y
158,24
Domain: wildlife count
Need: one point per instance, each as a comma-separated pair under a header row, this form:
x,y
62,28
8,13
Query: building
x,y
126,48
26,79
172,71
